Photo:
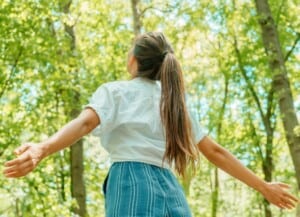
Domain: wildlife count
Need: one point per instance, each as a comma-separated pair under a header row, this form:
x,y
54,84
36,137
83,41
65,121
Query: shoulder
x,y
114,87
124,86
129,89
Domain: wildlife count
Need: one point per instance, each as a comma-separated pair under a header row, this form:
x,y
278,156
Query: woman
x,y
147,128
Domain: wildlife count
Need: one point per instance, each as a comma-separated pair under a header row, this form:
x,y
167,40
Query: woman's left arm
x,y
275,193
30,154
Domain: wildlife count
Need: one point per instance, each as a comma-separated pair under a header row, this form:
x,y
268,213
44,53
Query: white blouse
x,y
131,128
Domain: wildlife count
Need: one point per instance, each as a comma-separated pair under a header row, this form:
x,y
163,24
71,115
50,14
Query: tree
x,y
76,152
42,67
280,79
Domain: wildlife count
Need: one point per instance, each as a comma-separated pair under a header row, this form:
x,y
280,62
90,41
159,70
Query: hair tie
x,y
164,54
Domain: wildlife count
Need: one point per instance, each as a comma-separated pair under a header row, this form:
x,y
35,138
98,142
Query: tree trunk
x,y
280,79
76,154
215,193
137,24
12,72
266,117
268,170
77,179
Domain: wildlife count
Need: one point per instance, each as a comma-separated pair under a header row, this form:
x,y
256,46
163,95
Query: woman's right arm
x,y
29,154
274,192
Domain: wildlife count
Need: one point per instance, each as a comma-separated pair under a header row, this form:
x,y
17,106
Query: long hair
x,y
156,61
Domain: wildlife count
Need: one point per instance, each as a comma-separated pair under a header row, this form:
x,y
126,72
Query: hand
x,y
29,155
276,194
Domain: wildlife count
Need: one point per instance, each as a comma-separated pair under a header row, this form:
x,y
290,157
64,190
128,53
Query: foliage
x,y
39,73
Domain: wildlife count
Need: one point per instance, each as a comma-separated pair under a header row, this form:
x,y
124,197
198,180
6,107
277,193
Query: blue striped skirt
x,y
134,189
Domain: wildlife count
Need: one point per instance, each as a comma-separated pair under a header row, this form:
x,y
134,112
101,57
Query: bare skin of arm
x,y
30,154
275,193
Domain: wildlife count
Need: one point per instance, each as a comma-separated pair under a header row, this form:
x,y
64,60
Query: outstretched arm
x,y
273,192
29,154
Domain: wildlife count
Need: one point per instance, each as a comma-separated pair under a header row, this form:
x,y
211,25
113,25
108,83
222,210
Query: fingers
x,y
283,185
22,166
28,158
19,173
280,197
21,157
19,167
18,160
291,197
285,204
287,201
21,149
280,205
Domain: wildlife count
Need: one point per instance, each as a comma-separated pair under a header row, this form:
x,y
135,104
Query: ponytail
x,y
156,61
180,147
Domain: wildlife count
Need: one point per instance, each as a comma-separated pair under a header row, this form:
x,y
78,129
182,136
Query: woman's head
x,y
154,59
150,50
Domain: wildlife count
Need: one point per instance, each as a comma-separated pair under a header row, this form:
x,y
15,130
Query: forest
x,y
241,63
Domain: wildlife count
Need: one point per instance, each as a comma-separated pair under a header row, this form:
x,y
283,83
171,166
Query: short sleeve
x,y
198,131
103,103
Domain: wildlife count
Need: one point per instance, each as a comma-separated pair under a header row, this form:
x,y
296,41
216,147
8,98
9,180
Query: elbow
x,y
87,126
88,120
214,154
83,125
211,150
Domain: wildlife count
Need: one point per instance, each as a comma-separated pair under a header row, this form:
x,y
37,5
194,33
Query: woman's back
x,y
131,127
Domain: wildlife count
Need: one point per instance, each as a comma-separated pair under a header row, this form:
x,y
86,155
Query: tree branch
x,y
249,84
279,11
145,9
270,109
265,117
169,9
293,47
256,140
225,97
12,72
